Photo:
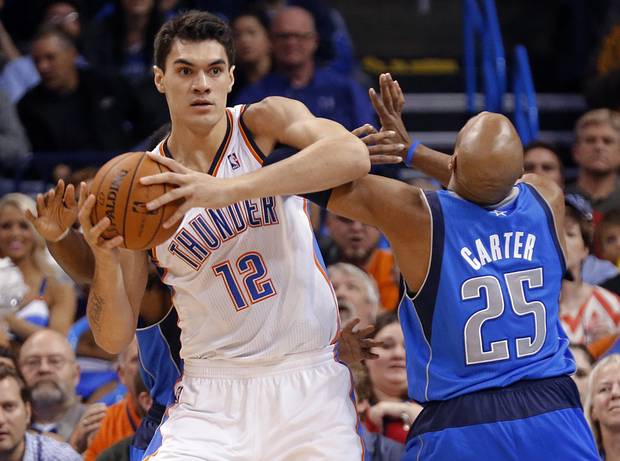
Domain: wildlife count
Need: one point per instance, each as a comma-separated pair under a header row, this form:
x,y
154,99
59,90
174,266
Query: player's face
x,y
389,372
196,83
606,397
597,149
251,40
576,250
16,234
351,291
543,162
14,418
610,242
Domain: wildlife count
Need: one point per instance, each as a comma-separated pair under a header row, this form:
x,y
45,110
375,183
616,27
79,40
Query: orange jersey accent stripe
x,y
246,138
225,144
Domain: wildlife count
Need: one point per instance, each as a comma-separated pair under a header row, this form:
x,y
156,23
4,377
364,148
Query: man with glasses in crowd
x,y
51,373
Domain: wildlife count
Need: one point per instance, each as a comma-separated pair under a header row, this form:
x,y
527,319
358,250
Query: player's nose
x,y
200,82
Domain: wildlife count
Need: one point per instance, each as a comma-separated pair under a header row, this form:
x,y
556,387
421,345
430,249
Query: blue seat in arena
x,y
91,380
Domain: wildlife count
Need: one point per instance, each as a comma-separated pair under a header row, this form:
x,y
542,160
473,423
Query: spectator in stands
x,y
122,418
123,41
16,444
325,92
543,159
120,451
50,302
252,49
583,361
356,289
601,407
20,74
390,412
608,236
7,358
597,153
377,446
587,312
357,243
75,109
14,145
47,363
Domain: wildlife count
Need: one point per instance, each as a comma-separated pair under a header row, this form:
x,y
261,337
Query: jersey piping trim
x,y
217,160
257,153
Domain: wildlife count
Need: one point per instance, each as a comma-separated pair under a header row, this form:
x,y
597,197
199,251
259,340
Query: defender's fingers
x,y
69,197
385,159
351,324
386,96
377,103
83,194
380,137
98,229
30,217
85,212
364,130
40,204
397,96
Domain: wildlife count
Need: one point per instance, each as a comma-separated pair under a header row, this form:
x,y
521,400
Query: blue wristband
x,y
414,145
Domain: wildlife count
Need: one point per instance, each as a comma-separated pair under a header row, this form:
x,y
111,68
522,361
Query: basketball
x,y
120,196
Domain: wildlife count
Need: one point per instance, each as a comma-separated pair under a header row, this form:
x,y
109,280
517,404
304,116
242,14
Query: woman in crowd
x,y
588,312
603,406
252,49
389,412
49,303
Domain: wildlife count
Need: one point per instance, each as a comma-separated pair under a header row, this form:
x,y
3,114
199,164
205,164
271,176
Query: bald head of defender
x,y
487,160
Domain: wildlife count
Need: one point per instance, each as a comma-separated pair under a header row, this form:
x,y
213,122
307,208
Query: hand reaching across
x,y
57,211
383,146
355,346
389,107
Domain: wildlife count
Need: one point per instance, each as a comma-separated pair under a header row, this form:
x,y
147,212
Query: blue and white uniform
x,y
486,354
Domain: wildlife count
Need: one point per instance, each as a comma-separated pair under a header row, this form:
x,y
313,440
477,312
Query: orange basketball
x,y
120,196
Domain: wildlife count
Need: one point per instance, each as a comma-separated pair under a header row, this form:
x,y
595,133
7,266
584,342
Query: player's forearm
x,y
432,163
74,256
110,316
323,165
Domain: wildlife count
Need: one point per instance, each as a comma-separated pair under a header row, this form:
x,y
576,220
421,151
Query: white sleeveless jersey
x,y
248,280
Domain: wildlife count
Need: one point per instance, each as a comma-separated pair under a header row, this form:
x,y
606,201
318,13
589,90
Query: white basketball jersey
x,y
248,280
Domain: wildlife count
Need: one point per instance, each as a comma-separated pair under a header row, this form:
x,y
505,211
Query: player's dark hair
x,y
193,26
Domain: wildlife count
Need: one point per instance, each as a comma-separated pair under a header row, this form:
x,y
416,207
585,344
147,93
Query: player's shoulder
x,y
273,111
546,187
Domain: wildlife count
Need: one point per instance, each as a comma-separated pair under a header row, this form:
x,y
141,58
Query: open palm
x,y
57,210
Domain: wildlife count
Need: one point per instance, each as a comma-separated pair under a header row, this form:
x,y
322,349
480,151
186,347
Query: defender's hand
x,y
389,107
198,190
383,146
57,211
355,346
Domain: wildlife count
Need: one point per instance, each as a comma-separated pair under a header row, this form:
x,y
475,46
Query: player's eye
x,y
185,71
215,71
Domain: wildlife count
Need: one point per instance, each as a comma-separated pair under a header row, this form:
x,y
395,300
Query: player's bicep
x,y
134,265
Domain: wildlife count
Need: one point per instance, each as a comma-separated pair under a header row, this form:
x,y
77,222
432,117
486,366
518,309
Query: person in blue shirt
x,y
326,93
482,264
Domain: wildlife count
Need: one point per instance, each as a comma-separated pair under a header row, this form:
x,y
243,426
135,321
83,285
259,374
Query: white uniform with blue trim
x,y
258,321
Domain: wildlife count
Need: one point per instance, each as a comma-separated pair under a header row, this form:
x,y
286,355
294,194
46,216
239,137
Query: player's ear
x,y
452,163
158,77
231,74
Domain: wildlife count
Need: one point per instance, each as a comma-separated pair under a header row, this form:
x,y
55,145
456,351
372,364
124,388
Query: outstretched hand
x,y
57,211
383,146
355,346
389,106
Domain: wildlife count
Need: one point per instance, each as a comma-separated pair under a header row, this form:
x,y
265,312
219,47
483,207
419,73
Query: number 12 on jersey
x,y
471,289
251,269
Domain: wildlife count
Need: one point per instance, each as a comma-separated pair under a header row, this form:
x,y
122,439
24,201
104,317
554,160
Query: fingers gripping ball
x,y
120,196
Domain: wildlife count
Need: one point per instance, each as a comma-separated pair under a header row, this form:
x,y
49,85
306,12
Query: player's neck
x,y
597,186
611,444
196,149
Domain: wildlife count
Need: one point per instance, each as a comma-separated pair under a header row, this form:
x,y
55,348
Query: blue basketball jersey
x,y
487,313
161,365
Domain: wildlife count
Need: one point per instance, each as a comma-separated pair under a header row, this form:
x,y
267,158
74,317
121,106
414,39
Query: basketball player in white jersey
x,y
257,313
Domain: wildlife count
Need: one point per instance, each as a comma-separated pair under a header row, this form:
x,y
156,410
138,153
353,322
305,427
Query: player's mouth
x,y
201,103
